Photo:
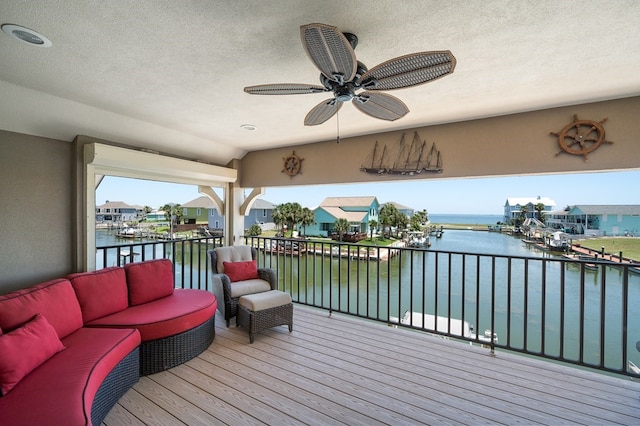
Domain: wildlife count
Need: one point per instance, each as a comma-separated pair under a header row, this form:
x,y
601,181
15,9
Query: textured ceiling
x,y
169,75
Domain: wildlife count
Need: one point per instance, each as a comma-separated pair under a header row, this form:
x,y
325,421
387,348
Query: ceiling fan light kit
x,y
332,52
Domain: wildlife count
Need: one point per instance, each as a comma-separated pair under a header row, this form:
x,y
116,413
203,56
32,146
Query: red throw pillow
x,y
24,349
101,293
240,271
149,280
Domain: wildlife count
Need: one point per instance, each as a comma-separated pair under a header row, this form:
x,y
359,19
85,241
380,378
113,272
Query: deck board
x,y
344,370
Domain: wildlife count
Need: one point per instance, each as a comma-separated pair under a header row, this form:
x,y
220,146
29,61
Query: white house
x,y
513,206
114,212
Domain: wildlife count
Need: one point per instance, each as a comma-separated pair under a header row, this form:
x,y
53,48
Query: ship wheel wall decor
x,y
292,164
581,137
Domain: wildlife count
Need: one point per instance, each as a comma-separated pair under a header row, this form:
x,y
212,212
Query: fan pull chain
x,y
338,126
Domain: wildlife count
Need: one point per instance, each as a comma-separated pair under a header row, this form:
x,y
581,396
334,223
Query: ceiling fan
x,y
332,52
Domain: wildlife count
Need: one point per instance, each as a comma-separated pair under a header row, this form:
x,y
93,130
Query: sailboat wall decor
x,y
407,159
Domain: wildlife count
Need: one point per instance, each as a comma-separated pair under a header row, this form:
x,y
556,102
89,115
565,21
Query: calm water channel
x,y
536,305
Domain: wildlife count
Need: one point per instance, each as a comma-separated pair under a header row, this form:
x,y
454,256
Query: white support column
x,y
234,222
89,212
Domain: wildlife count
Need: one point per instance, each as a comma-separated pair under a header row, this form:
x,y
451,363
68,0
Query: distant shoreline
x,y
461,226
465,219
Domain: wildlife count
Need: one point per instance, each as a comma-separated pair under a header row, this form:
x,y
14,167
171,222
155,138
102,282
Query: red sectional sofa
x,y
70,348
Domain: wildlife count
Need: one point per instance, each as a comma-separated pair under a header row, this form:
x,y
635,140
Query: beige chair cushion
x,y
240,288
232,254
261,301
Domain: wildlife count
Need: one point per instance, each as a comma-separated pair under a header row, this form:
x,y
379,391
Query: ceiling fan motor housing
x,y
345,92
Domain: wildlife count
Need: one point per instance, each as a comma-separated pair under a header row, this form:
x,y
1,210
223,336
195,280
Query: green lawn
x,y
629,246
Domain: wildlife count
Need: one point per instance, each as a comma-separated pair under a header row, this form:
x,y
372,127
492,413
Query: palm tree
x,y
522,216
539,209
417,219
289,215
373,224
400,221
278,217
145,211
172,212
293,215
387,216
341,226
307,218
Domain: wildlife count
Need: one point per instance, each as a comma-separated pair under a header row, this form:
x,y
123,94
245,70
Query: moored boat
x,y
418,239
441,324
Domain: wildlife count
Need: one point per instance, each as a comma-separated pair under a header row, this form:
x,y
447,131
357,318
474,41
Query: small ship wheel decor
x,y
292,164
581,137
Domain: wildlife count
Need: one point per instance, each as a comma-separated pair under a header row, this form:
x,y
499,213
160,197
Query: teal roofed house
x,y
604,220
358,211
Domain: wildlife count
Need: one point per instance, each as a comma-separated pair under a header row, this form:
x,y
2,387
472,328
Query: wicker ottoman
x,y
259,311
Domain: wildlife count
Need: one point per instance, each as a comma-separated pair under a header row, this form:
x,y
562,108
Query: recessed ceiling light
x,y
248,126
26,35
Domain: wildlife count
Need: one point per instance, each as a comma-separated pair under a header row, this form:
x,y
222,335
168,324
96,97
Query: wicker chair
x,y
227,294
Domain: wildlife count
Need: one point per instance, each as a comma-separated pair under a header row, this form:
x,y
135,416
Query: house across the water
x,y
514,207
597,220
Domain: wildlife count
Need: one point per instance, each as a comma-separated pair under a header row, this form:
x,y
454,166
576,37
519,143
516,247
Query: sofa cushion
x,y
55,300
248,287
24,349
101,292
61,391
241,271
149,280
231,254
183,310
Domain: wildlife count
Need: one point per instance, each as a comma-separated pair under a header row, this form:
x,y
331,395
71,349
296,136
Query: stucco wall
x,y
35,209
509,145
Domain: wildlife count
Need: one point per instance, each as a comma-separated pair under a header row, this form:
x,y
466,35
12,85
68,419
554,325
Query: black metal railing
x,y
583,312
189,256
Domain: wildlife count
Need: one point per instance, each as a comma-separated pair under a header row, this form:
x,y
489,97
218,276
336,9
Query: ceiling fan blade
x,y
380,105
284,89
322,112
330,51
409,70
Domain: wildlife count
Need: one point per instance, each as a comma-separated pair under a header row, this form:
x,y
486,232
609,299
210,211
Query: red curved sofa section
x,y
114,325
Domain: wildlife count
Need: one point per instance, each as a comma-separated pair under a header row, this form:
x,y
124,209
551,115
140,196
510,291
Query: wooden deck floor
x,y
343,370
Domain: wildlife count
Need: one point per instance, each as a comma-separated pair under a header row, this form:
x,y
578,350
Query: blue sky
x,y
437,196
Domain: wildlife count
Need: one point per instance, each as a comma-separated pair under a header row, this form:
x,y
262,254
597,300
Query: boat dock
x,y
374,254
584,253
